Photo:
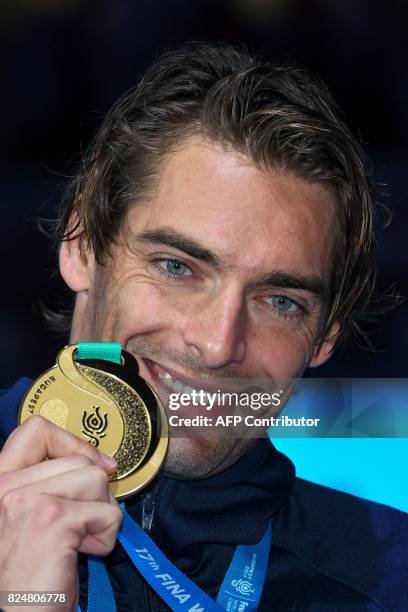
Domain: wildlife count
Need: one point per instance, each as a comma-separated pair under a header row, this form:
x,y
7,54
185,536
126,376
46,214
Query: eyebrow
x,y
284,280
170,237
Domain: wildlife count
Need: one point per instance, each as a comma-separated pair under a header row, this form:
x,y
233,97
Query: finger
x,y
41,471
88,483
38,439
90,527
102,526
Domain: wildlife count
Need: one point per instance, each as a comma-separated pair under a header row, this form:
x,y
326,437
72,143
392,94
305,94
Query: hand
x,y
51,510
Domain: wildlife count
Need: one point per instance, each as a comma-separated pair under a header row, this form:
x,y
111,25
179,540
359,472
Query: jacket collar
x,y
229,508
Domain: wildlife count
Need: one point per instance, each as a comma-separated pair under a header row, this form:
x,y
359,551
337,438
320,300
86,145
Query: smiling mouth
x,y
171,382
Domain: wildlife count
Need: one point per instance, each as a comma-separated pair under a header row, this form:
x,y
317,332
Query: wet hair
x,y
281,116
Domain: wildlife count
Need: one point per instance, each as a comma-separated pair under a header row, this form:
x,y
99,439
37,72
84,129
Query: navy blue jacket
x,y
330,550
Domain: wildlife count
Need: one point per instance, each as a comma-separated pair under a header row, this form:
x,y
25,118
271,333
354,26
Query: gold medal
x,y
108,405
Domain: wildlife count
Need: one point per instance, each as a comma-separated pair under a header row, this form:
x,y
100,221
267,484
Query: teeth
x,y
188,390
175,384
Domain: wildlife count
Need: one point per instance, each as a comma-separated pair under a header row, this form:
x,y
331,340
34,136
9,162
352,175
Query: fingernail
x,y
110,462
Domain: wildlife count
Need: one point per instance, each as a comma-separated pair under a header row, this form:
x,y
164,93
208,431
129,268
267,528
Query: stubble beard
x,y
196,458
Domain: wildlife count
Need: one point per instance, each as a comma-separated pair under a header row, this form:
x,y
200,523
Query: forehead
x,y
252,219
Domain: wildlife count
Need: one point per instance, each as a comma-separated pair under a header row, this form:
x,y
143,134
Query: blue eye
x,y
284,304
174,267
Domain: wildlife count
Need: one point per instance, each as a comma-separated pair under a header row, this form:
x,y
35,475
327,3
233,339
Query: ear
x,y
76,264
325,348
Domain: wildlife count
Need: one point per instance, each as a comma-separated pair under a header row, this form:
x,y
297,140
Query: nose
x,y
215,332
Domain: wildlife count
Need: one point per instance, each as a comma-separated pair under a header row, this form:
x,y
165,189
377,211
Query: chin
x,y
198,458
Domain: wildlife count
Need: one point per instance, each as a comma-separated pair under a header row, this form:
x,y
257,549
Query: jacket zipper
x,y
148,507
147,511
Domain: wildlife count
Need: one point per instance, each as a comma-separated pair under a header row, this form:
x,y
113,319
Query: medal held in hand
x,y
110,406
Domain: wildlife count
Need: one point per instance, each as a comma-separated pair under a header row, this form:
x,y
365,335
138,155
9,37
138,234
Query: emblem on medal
x,y
108,405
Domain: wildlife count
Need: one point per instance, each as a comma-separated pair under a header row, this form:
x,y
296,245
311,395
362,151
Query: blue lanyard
x,y
241,588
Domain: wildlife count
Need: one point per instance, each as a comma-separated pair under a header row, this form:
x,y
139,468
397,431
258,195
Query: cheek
x,y
144,308
285,354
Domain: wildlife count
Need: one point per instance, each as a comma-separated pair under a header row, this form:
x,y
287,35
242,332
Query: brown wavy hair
x,y
281,116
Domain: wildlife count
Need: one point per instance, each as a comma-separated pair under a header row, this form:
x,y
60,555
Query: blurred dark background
x,y
63,63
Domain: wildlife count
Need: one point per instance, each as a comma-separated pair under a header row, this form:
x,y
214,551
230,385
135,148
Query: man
x,y
220,228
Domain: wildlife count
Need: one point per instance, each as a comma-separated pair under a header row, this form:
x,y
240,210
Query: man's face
x,y
218,276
